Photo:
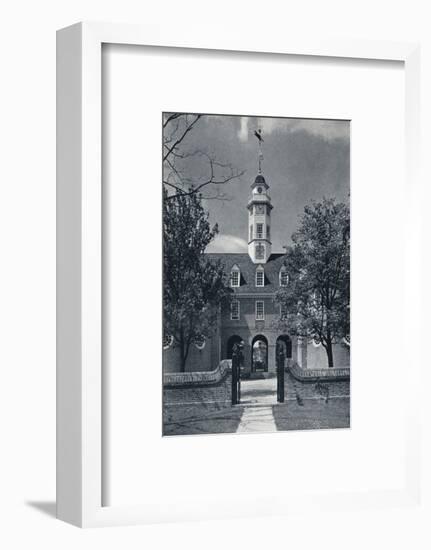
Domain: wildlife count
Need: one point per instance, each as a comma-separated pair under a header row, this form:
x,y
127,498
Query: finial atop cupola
x,y
258,134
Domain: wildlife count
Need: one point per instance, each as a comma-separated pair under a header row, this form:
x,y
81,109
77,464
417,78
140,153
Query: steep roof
x,y
248,271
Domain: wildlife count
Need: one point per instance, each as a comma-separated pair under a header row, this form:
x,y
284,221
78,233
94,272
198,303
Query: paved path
x,y
257,419
259,391
258,397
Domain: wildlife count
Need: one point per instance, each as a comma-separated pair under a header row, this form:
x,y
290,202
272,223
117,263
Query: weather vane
x,y
258,134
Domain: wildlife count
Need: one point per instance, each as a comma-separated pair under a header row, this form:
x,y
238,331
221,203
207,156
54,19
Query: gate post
x,y
235,370
280,375
240,365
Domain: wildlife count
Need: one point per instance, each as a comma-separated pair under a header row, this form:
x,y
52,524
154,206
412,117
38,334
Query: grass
x,y
202,418
212,418
312,414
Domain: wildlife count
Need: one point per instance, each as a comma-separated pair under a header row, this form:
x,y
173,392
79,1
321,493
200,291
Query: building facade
x,y
253,316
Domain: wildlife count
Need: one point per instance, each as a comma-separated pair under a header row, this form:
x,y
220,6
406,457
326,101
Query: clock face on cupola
x,y
259,207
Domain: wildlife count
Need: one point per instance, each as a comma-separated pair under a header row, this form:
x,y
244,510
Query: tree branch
x,y
171,118
180,139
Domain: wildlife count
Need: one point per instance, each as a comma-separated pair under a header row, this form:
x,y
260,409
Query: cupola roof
x,y
259,180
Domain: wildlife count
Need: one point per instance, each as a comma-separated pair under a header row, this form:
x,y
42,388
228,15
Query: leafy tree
x,y
193,286
316,299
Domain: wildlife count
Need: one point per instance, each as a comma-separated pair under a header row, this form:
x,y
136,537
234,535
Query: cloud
x,y
227,243
329,130
269,124
243,131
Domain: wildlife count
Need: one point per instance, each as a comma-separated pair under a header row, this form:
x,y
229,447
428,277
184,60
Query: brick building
x,y
253,315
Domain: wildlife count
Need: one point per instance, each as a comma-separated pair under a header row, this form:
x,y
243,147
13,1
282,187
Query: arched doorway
x,y
259,354
285,341
235,339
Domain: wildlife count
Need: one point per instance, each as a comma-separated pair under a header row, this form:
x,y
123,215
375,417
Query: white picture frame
x,y
79,261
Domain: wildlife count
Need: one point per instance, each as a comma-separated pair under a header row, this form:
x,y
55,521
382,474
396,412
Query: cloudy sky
x,y
304,159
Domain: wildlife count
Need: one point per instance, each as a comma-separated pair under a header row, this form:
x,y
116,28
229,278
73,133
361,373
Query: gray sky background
x,y
304,159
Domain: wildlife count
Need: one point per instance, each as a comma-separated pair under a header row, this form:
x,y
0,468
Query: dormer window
x,y
260,276
284,276
235,276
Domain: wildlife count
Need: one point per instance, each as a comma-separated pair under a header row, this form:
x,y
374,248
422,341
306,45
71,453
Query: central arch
x,y
259,354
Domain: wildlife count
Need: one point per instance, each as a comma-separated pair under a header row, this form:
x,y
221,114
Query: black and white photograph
x,y
216,275
256,274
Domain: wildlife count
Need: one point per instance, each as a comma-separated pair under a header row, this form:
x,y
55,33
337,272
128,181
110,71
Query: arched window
x,y
284,276
260,276
235,276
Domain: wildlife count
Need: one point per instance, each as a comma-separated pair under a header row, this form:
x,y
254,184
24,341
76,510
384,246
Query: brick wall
x,y
199,389
248,313
247,328
307,390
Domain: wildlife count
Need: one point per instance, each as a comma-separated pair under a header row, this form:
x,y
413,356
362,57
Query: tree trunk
x,y
183,356
330,355
184,352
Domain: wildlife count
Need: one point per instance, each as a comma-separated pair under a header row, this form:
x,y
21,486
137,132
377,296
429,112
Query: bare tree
x,y
207,175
